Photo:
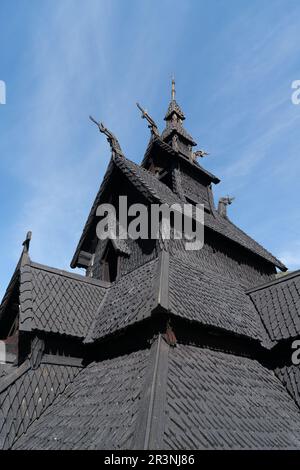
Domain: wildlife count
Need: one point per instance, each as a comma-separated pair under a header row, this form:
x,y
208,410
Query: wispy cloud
x,y
100,57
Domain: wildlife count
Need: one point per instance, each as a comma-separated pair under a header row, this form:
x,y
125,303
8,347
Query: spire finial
x,y
173,88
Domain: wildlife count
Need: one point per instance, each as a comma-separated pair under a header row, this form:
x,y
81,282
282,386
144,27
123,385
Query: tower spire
x,y
174,133
173,93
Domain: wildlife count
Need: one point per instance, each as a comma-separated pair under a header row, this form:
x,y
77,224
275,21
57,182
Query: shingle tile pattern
x,y
221,401
279,306
290,377
27,396
212,400
98,411
58,303
143,179
129,300
212,299
149,185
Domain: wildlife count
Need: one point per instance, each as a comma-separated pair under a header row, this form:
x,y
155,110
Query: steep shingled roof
x,y
229,230
170,398
56,301
144,181
150,186
129,300
98,412
181,289
212,299
25,393
222,401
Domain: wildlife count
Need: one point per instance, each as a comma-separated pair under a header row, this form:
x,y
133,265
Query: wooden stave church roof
x,y
42,434
155,190
162,367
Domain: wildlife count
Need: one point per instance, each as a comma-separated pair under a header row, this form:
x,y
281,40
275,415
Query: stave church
x,y
155,346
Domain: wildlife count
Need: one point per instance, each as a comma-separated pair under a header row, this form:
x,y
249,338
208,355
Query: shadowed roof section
x,y
144,181
98,411
278,303
172,286
229,230
156,191
221,401
156,144
130,299
168,398
213,300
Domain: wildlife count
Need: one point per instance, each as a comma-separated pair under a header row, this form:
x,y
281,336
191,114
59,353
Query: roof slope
x,y
229,230
57,301
278,303
221,401
156,191
170,398
98,411
157,144
212,299
181,289
144,181
129,300
25,393
178,128
147,183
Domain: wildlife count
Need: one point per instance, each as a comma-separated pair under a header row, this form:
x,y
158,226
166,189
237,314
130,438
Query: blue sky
x,y
234,63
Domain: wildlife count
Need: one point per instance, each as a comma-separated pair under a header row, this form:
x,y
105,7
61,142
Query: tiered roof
x,y
171,355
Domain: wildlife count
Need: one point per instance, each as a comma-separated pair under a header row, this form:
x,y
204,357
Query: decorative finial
x,y
111,138
26,242
152,125
173,88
